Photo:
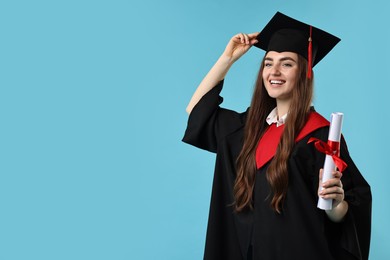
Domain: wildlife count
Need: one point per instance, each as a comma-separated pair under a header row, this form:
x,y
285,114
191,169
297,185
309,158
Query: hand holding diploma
x,y
330,187
333,190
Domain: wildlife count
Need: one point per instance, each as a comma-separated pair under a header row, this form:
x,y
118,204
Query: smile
x,y
277,82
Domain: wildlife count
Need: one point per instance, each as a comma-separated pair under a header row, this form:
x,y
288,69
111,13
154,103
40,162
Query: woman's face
x,y
280,74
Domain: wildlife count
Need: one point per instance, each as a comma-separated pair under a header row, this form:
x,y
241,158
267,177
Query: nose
x,y
275,70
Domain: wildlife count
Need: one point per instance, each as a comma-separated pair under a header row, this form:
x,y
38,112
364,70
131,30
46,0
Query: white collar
x,y
273,118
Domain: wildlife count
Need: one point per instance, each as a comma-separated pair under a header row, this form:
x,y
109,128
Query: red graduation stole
x,y
268,143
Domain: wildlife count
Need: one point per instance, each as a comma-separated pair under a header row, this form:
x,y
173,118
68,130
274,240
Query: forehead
x,y
274,55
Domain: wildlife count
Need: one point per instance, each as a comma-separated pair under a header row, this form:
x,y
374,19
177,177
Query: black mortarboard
x,y
283,33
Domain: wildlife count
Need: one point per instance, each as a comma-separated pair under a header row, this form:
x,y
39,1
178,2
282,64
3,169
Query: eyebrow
x,y
281,59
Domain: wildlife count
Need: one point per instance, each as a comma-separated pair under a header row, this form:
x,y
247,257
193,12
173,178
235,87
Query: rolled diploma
x,y
329,165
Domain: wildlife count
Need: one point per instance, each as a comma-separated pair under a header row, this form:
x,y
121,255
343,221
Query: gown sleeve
x,y
358,220
208,123
350,239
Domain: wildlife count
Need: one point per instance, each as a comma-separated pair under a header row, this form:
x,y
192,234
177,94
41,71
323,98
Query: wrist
x,y
226,60
338,213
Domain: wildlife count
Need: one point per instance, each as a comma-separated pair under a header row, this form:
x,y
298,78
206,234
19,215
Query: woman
x,y
267,177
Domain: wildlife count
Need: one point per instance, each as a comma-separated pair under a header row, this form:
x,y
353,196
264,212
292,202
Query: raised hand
x,y
239,44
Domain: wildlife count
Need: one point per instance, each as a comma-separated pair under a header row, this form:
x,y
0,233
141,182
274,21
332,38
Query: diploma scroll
x,y
329,165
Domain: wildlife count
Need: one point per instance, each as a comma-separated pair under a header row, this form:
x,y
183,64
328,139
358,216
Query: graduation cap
x,y
283,33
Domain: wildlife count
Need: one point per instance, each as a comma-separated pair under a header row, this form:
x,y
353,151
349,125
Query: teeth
x,y
277,82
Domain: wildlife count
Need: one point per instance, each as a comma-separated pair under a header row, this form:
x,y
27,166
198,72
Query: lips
x,y
277,82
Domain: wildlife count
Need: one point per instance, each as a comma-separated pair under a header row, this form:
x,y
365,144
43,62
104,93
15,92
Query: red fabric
x,y
309,56
268,144
330,148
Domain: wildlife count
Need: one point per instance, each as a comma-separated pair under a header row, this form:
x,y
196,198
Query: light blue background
x,y
92,112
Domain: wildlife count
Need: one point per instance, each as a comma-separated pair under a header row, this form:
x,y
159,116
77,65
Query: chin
x,y
273,95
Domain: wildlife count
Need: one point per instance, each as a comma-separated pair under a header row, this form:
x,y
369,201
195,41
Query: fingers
x,y
238,45
244,39
254,41
337,196
331,183
253,35
332,191
332,188
321,175
337,174
335,181
248,39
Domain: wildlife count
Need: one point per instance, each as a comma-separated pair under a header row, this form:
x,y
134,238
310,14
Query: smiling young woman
x,y
267,177
280,74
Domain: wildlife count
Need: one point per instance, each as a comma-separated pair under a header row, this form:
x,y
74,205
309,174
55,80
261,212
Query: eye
x,y
267,64
287,65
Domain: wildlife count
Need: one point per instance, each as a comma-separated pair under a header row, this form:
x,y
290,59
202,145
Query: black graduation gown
x,y
302,231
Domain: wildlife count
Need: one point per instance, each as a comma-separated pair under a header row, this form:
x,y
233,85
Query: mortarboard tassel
x,y
309,56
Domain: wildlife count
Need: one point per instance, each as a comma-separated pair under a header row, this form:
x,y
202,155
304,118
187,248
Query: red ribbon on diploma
x,y
331,148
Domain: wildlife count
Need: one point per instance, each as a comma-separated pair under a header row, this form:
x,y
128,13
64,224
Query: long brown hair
x,y
277,172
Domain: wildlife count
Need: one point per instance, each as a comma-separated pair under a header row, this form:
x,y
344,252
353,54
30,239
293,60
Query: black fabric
x,y
302,231
283,33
